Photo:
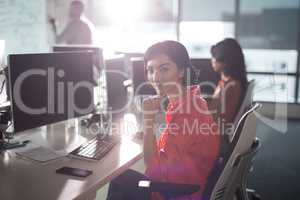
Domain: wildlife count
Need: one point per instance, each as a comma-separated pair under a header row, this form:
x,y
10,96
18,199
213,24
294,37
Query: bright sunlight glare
x,y
120,11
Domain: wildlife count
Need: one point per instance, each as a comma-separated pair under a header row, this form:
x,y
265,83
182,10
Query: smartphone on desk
x,y
74,172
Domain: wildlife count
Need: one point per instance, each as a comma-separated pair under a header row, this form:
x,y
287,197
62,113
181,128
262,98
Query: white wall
x,y
23,26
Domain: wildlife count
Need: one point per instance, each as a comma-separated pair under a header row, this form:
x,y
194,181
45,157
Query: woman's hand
x,y
151,107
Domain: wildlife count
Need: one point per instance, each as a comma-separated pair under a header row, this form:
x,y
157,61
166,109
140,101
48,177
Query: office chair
x,y
228,134
228,178
235,187
243,165
246,103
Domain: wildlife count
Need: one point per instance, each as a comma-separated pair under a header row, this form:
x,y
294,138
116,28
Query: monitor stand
x,y
11,145
6,144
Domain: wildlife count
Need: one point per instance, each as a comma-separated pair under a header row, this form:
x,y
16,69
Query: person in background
x,y
228,60
184,153
79,29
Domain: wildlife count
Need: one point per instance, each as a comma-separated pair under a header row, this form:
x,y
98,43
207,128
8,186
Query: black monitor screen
x,y
97,52
116,74
140,84
51,87
206,77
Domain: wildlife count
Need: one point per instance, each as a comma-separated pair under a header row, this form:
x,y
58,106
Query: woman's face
x,y
164,74
217,65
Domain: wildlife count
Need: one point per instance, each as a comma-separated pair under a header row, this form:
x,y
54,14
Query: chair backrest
x,y
244,135
242,166
246,103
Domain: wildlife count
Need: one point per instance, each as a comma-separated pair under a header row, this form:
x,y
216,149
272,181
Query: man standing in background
x,y
79,28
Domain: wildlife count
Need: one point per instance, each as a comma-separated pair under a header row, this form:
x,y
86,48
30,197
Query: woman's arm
x,y
213,104
232,94
150,109
150,146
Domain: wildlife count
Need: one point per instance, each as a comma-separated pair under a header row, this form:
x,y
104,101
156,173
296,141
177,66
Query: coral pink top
x,y
189,145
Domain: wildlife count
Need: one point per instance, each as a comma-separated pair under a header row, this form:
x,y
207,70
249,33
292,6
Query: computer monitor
x,y
97,56
97,52
205,76
51,87
116,74
140,85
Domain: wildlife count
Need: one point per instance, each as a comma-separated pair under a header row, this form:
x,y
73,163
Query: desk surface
x,y
21,178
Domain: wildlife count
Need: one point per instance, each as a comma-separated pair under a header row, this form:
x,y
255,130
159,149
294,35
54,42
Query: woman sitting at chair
x,y
228,60
189,145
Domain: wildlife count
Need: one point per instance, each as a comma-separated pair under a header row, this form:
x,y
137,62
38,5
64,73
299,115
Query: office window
x,y
206,10
268,32
203,24
199,36
269,24
274,88
265,60
298,100
132,26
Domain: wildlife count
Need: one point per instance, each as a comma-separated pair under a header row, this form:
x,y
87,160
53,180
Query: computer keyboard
x,y
95,149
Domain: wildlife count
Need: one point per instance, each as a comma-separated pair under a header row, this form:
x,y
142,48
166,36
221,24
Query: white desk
x,y
25,179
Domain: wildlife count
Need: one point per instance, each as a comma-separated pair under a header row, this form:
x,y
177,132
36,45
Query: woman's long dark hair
x,y
229,52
